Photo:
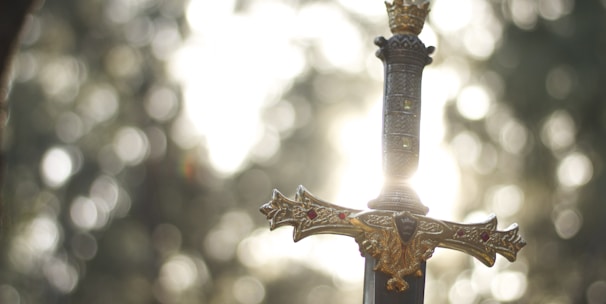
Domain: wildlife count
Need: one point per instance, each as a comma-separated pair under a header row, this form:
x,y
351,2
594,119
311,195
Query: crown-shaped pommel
x,y
407,18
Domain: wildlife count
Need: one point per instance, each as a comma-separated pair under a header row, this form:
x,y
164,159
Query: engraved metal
x,y
395,235
399,240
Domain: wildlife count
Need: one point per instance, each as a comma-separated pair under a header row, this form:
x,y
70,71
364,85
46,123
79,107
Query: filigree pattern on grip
x,y
399,241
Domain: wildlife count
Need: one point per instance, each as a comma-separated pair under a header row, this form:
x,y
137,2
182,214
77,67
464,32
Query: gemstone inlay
x,y
312,214
485,236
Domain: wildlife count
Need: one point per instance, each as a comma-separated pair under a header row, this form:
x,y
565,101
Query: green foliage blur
x,y
104,204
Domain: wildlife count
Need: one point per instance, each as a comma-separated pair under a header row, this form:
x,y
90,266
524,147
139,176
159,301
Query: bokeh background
x,y
145,134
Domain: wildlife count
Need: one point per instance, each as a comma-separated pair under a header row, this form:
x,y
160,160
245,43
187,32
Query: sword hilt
x,y
404,56
399,241
396,236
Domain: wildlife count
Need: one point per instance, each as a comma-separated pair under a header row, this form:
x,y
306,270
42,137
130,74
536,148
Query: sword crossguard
x,y
399,240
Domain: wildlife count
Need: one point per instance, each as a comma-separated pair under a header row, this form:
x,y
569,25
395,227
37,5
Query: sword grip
x,y
404,58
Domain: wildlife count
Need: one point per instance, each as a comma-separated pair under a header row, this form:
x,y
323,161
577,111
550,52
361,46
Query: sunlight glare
x,y
225,88
56,167
369,10
575,170
359,144
340,44
509,286
474,102
451,16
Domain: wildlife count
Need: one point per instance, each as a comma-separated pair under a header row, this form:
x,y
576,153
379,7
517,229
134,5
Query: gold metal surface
x,y
399,241
406,18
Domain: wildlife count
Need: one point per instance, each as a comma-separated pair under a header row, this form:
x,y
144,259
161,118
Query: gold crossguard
x,y
399,241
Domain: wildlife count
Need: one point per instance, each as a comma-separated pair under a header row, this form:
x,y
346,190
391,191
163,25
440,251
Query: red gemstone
x,y
460,232
485,236
342,215
312,214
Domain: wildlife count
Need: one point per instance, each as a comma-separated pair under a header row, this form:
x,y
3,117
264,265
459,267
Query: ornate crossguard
x,y
397,234
399,241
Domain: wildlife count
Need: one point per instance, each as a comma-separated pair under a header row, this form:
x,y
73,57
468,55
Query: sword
x,y
394,235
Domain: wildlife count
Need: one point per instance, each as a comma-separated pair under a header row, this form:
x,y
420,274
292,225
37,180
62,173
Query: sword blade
x,y
376,293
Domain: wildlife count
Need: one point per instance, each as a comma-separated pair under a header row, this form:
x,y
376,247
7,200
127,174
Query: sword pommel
x,y
406,18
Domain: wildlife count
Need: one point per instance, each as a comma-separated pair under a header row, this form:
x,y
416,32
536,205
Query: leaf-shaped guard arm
x,y
399,241
309,215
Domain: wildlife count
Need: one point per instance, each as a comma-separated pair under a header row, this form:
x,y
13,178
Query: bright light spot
x,y
35,241
166,37
359,145
222,241
84,213
559,130
106,189
555,9
42,234
488,160
429,37
467,147
339,42
368,9
101,103
9,295
131,145
479,42
61,77
122,11
183,132
509,286
69,127
56,167
451,16
437,170
139,31
268,144
178,273
223,104
568,223
596,292
575,170
474,102
61,275
507,200
462,292
452,74
271,252
204,14
248,290
513,136
123,61
88,213
524,13
162,104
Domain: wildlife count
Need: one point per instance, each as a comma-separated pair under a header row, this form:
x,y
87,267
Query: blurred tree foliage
x,y
103,206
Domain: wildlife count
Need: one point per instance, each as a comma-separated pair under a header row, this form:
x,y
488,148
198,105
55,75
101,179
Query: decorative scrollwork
x,y
399,241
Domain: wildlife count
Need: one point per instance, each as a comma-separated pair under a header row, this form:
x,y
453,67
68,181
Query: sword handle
x,y
404,57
